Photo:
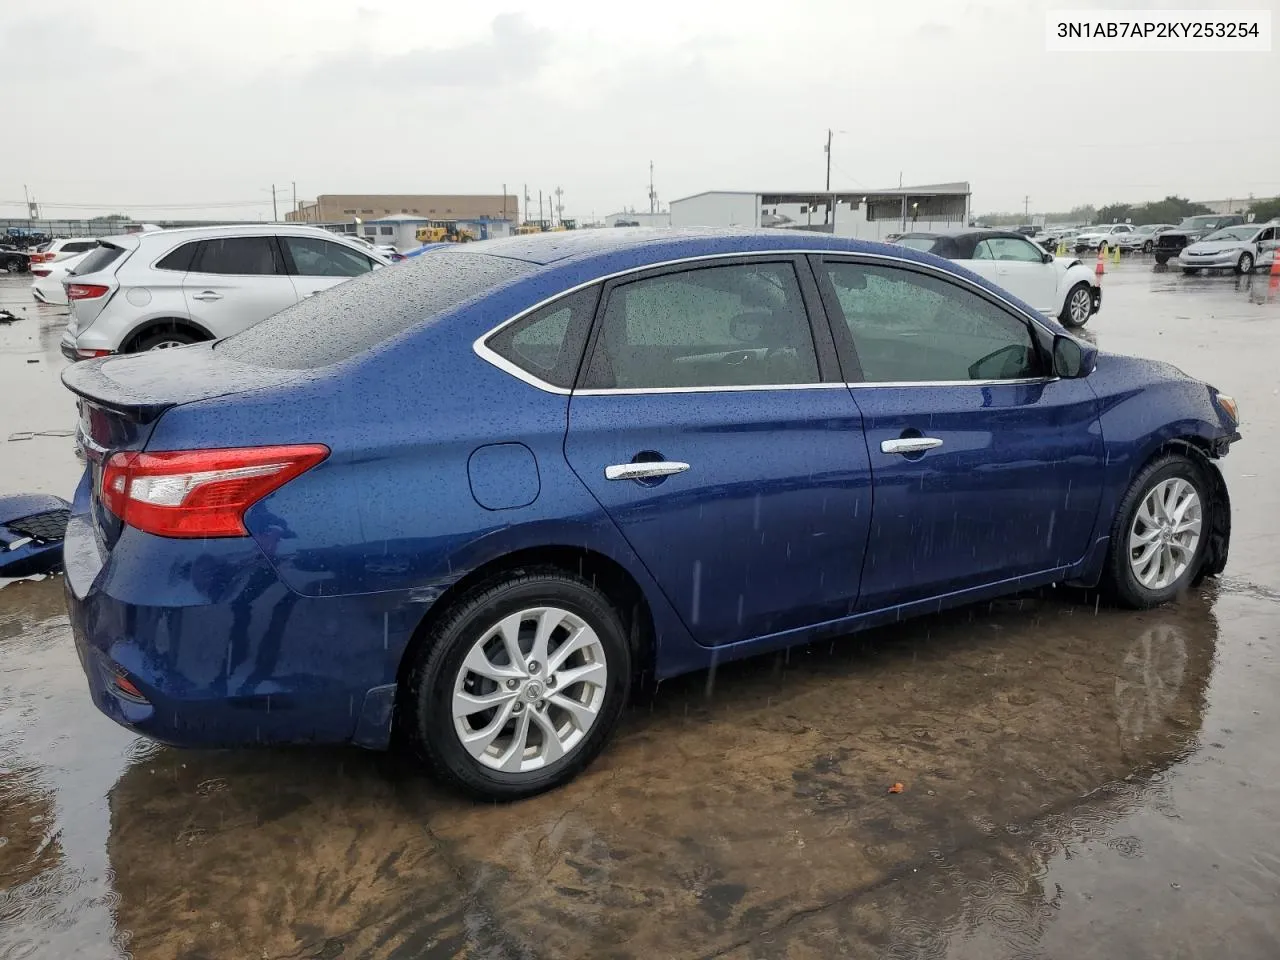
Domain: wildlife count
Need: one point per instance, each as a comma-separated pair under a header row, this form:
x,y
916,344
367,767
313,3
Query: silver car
x,y
168,288
1143,238
1240,248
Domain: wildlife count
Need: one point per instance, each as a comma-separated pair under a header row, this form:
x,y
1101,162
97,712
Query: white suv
x,y
168,288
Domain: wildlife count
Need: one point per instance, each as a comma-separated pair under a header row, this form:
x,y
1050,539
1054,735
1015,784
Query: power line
x,y
144,206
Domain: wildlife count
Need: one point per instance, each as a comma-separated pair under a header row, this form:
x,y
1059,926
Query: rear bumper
x,y
220,651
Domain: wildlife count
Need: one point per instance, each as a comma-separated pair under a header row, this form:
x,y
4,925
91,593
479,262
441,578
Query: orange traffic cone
x,y
1102,260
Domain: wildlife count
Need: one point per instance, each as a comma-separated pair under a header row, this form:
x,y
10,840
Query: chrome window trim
x,y
482,350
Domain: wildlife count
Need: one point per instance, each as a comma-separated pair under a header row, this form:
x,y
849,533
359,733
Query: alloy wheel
x,y
529,689
1165,533
166,345
1246,263
1081,301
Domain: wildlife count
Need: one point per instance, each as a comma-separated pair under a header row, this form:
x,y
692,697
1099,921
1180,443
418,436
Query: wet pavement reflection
x,y
1078,781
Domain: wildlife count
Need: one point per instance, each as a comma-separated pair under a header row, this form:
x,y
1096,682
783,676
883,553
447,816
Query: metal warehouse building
x,y
865,214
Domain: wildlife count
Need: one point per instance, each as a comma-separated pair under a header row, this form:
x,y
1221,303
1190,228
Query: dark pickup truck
x,y
1169,243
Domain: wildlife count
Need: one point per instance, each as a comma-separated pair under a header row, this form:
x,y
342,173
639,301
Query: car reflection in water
x,y
1024,731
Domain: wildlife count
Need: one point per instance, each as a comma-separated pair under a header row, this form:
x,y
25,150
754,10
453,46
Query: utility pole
x,y
275,214
527,201
294,184
504,201
1026,209
653,195
828,160
541,222
560,204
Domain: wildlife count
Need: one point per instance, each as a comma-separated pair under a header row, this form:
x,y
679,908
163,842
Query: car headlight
x,y
1228,406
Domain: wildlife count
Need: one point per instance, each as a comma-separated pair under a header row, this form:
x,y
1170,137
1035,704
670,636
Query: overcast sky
x,y
154,102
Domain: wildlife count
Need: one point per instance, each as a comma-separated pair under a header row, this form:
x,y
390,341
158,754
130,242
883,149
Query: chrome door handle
x,y
909,445
644,471
207,295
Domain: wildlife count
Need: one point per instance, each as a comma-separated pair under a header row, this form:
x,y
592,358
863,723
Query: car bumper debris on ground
x,y
1036,776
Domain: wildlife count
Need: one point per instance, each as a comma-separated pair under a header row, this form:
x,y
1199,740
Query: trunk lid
x,y
122,398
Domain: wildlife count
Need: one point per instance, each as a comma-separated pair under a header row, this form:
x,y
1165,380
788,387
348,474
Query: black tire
x,y
163,340
1245,263
1162,259
1080,290
14,265
1118,579
1147,247
426,697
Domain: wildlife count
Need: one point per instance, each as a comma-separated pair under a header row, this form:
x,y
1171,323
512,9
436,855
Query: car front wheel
x,y
1147,247
1160,533
1078,306
519,686
1245,263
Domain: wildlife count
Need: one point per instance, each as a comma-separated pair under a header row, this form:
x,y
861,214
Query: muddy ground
x,y
1079,781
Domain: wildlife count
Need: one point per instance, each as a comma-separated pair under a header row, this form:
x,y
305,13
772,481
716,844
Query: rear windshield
x,y
361,313
97,259
923,244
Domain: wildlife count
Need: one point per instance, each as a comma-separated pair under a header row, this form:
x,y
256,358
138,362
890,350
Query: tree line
x,y
1169,210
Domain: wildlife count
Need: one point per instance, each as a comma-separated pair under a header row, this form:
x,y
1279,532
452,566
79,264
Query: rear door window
x,y
737,325
314,257
239,256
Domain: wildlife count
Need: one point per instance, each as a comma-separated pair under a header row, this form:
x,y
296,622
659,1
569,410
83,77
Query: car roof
x,y
656,244
196,233
976,233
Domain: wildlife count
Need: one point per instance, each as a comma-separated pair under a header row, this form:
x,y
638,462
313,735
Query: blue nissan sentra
x,y
475,497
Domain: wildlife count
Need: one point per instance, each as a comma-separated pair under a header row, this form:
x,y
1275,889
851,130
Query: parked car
x,y
1142,238
1026,229
389,252
1057,287
1169,243
1050,237
474,497
169,288
13,260
1095,238
60,249
47,287
1240,248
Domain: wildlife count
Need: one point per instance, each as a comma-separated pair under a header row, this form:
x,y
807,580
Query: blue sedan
x,y
476,497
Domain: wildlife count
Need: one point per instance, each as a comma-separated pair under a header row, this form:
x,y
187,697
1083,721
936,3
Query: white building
x,y
865,214
634,218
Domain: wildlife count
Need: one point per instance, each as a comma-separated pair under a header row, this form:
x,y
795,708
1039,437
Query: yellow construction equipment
x,y
527,228
444,233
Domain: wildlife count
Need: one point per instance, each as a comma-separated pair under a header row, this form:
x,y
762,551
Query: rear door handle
x,y
644,470
904,445
207,295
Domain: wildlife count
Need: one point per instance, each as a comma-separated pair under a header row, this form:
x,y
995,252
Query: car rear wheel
x,y
1245,263
1160,533
1078,306
164,340
520,685
1147,247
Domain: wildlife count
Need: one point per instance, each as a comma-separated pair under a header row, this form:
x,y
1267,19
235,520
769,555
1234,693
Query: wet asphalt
x,y
1078,781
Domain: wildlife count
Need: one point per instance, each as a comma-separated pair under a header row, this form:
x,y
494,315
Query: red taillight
x,y
91,354
199,493
85,291
41,257
42,271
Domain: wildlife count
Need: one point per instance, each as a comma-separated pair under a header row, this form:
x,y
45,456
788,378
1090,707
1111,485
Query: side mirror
x,y
1047,257
1073,359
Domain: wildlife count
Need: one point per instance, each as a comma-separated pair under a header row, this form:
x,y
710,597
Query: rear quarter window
x,y
360,314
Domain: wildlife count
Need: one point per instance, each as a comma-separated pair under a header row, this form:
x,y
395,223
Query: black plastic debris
x,y
31,530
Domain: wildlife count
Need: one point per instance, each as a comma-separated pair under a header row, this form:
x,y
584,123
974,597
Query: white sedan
x,y
1059,287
